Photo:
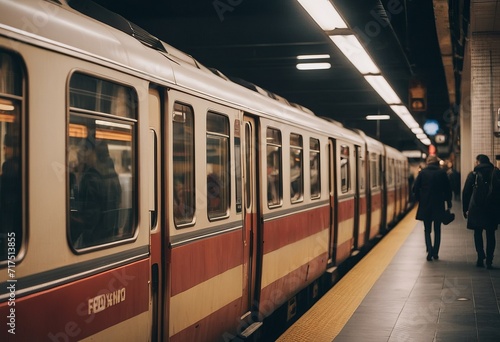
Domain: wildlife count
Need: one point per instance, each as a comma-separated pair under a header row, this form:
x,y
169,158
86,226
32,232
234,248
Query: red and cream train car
x,y
145,198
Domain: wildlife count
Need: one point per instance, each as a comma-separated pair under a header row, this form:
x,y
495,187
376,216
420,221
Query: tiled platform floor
x,y
414,300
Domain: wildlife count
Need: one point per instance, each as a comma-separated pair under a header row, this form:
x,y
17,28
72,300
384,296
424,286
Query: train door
x,y
251,216
332,194
154,201
357,198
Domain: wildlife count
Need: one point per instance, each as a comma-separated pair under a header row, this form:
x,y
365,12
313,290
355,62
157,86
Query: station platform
x,y
394,294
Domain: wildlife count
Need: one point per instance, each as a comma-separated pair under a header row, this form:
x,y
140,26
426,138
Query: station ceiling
x,y
259,41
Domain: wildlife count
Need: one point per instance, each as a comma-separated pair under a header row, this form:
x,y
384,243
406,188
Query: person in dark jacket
x,y
480,216
432,189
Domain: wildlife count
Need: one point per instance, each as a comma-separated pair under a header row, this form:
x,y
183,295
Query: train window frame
x,y
374,171
184,122
345,168
13,116
219,177
89,134
315,165
296,165
274,167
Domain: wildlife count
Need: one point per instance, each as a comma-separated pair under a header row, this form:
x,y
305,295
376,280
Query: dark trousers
x,y
490,244
432,250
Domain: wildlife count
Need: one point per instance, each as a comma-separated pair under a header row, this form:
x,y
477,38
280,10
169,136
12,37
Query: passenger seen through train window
x,y
11,194
217,165
100,162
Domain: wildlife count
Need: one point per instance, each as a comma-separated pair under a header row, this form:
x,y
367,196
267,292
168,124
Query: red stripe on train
x,y
345,210
292,228
201,260
82,308
276,293
214,327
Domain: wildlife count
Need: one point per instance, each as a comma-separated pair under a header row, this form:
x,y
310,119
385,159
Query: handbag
x,y
448,217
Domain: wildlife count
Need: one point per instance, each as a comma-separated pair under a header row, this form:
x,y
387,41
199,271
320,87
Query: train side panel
x,y
107,279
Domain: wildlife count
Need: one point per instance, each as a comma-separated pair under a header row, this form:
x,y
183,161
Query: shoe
x,y
480,262
429,257
489,266
436,257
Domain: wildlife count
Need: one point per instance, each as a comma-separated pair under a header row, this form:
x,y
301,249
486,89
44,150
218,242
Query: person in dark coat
x,y
480,217
432,189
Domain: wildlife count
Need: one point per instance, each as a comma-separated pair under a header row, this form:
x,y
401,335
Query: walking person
x,y
480,207
432,189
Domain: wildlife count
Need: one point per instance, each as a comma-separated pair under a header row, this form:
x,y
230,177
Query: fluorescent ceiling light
x,y
324,14
426,141
417,130
383,89
378,117
412,153
421,135
313,66
355,53
405,116
323,56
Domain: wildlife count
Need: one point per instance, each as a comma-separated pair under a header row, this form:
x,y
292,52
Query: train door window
x,y
101,161
314,168
11,161
390,173
373,171
183,165
344,169
362,173
237,166
248,166
218,184
274,178
296,168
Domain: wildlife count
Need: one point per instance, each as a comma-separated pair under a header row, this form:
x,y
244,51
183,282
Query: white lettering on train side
x,y
104,301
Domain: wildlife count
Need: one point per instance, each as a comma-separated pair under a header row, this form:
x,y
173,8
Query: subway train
x,y
146,197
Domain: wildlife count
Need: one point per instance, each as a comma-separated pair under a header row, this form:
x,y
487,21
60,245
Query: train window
x,y
390,173
314,165
248,165
344,169
296,168
237,165
11,194
101,162
274,178
373,171
183,165
218,185
362,174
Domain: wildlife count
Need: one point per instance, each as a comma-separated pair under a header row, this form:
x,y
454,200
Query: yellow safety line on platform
x,y
325,320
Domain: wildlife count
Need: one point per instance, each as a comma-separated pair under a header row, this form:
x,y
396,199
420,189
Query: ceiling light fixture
x,y
322,56
324,14
313,66
382,87
378,117
350,46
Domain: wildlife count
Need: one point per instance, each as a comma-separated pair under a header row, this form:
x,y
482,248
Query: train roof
x,y
88,29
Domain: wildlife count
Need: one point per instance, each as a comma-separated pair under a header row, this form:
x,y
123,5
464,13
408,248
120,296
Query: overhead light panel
x,y
417,130
355,53
324,14
383,88
321,56
378,117
313,66
426,141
